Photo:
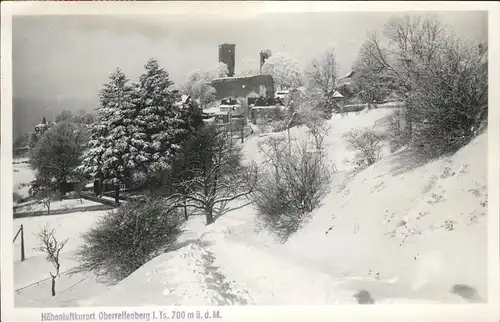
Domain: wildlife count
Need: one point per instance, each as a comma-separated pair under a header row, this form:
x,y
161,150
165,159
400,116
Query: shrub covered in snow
x,y
296,181
279,125
125,239
314,119
367,144
442,78
396,133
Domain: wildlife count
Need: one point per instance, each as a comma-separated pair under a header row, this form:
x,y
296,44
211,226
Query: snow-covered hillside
x,y
398,232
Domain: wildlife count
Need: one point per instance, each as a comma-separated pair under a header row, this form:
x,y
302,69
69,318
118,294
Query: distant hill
x,y
29,111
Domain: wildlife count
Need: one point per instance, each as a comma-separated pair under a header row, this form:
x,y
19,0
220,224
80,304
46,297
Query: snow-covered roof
x,y
349,75
223,79
272,107
229,106
253,94
337,95
211,110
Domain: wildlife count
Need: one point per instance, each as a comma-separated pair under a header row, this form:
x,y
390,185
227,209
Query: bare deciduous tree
x,y
52,248
409,41
44,190
58,154
442,78
322,74
198,86
217,175
273,149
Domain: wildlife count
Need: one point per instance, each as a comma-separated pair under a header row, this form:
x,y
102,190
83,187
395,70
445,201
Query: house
x,y
252,97
229,110
267,109
268,113
283,94
346,85
339,100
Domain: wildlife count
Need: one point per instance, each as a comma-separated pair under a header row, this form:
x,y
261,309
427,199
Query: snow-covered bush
x,y
125,239
314,119
450,101
367,143
296,181
396,131
442,78
279,125
263,126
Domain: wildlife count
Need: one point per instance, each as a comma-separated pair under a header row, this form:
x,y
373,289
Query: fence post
x,y
22,244
242,132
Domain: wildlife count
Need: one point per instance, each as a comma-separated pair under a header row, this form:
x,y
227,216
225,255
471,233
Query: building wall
x,y
242,86
227,56
340,102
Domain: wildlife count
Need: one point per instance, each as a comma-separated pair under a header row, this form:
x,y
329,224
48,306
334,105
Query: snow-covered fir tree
x,y
158,119
116,147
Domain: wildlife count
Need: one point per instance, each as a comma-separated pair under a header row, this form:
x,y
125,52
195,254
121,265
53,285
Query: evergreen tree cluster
x,y
138,127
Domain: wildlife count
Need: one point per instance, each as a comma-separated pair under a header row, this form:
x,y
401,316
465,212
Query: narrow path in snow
x,y
224,291
267,274
268,279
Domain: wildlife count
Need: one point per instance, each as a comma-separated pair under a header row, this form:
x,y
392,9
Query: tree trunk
x,y
289,142
62,189
117,193
209,214
186,217
48,209
53,286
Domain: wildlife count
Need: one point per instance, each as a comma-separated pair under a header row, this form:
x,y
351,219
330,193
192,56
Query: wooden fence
x,y
54,212
20,232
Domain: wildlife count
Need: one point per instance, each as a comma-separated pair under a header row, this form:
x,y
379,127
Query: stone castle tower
x,y
227,56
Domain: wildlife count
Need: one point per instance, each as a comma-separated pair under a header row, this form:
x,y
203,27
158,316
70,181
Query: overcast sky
x,y
61,57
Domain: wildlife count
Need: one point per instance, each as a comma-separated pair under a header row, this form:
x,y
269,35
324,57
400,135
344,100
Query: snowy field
x,y
35,268
398,232
23,175
56,205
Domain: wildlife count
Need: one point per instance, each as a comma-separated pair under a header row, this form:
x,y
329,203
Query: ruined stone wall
x,y
242,86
